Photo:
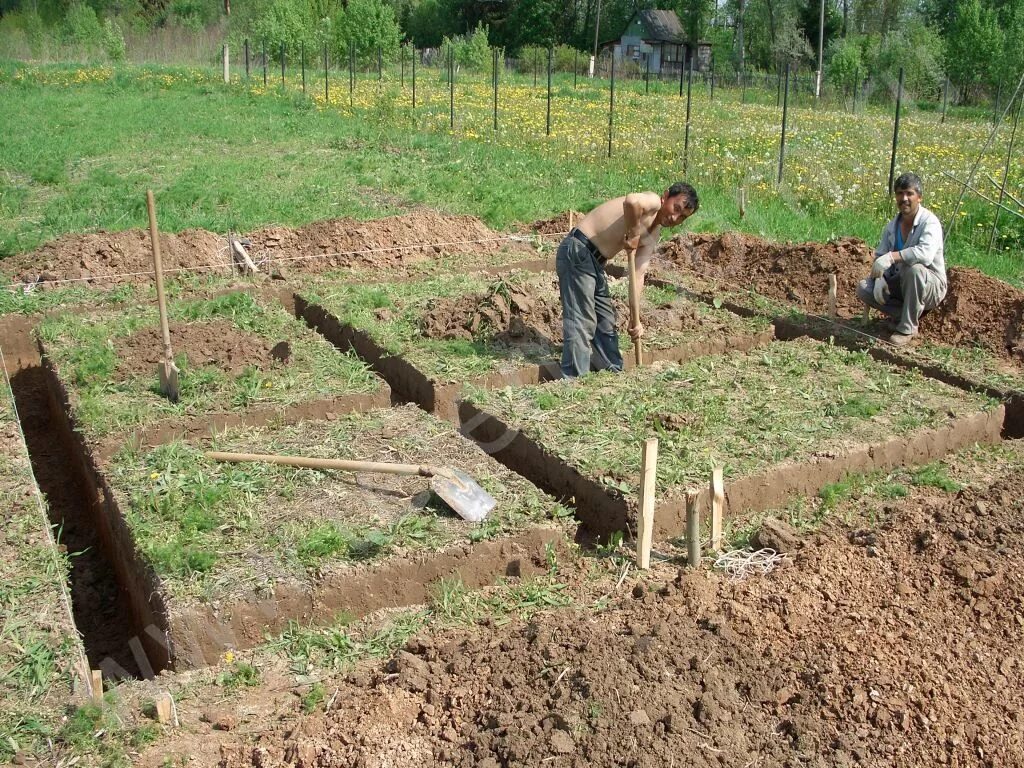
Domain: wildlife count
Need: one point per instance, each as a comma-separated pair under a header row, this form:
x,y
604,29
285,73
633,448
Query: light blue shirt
x,y
923,245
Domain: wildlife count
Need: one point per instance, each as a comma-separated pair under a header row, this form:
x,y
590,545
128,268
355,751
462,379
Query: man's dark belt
x,y
588,244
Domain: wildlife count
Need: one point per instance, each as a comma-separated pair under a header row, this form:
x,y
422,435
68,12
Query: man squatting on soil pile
x,y
588,316
908,277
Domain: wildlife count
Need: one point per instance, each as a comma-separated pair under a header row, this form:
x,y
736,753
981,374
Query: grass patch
x,y
935,475
200,158
211,528
747,412
86,350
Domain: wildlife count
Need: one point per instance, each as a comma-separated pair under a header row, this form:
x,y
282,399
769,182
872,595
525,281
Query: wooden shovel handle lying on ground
x,y
343,464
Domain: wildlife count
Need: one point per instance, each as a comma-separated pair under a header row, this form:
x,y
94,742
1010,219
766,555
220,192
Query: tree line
x,y
977,44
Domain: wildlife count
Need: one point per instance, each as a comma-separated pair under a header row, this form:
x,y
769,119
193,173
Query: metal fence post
x,y
785,114
689,92
550,54
611,106
895,134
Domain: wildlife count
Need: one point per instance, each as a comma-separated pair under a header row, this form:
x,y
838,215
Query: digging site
x,y
529,316
978,310
885,631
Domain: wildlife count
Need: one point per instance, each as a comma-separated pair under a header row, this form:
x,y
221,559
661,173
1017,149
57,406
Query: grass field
x,y
82,145
746,412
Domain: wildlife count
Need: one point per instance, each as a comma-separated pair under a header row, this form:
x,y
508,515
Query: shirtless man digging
x,y
588,316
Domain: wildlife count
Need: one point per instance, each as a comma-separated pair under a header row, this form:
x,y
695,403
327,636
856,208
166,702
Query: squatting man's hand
x,y
881,264
636,331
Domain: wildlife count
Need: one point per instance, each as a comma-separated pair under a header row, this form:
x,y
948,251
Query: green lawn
x,y
82,145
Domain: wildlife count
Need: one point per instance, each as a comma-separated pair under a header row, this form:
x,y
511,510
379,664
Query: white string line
x,y
740,563
41,506
415,246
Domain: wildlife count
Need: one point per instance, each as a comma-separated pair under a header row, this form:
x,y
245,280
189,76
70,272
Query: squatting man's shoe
x,y
901,339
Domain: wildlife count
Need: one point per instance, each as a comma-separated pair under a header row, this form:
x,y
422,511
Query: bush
x,y
919,53
846,69
287,23
81,28
471,51
113,40
369,26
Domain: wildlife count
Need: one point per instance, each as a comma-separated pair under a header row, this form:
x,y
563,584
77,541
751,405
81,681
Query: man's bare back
x,y
633,220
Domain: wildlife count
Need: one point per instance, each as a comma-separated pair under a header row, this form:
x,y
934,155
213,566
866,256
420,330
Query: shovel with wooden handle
x,y
459,490
167,369
634,305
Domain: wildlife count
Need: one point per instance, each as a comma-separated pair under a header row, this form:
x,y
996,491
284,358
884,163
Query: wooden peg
x,y
572,216
743,201
645,518
96,683
692,530
832,283
164,709
717,506
242,258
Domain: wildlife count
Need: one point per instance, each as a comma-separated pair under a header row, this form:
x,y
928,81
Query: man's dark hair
x,y
682,188
908,181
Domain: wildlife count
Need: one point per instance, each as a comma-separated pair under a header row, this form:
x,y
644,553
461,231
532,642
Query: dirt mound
x,y
218,344
865,649
508,314
978,309
793,273
116,257
405,239
558,225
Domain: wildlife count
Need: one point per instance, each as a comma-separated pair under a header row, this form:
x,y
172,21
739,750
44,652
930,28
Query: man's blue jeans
x,y
588,315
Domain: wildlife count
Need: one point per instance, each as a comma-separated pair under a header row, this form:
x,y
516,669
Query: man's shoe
x,y
901,339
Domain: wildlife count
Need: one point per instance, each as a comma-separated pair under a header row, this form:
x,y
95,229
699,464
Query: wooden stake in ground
x,y
717,507
242,257
832,297
164,709
167,369
96,683
572,216
743,202
645,516
634,305
692,530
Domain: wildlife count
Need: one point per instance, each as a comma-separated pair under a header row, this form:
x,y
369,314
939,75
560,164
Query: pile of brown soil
x,y
112,258
507,315
792,273
116,257
406,239
557,225
218,344
977,310
865,649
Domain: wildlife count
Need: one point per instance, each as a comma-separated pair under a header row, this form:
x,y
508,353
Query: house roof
x,y
662,26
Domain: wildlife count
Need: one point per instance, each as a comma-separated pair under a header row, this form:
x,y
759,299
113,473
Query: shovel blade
x,y
169,380
462,493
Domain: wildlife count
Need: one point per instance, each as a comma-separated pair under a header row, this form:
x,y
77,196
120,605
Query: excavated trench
x,y
101,606
125,628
